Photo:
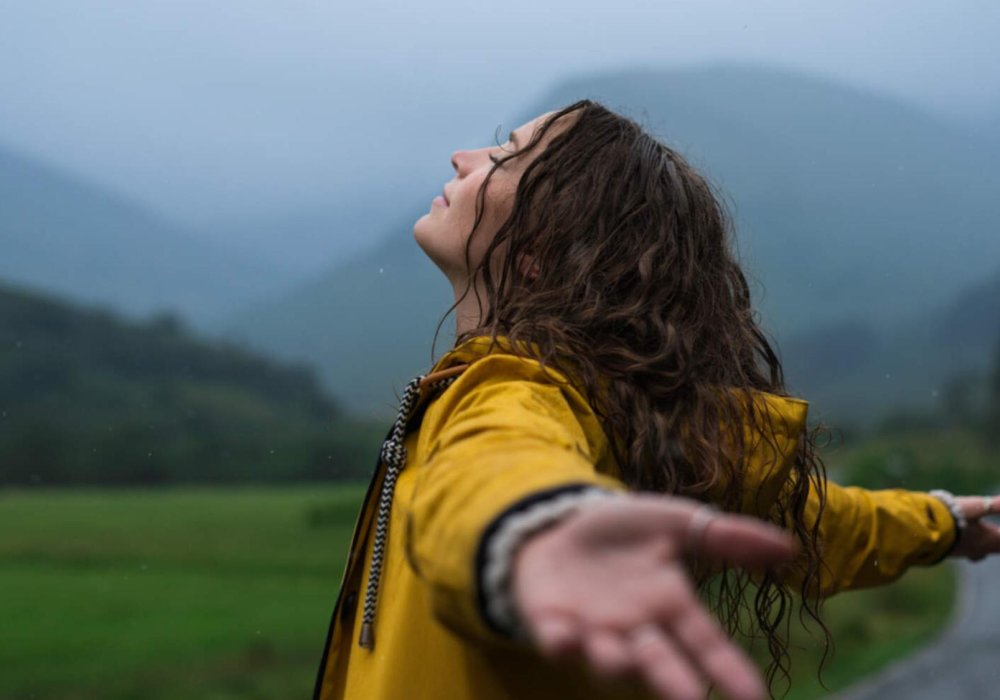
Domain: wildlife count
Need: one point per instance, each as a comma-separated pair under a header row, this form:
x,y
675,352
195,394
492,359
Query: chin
x,y
420,233
424,238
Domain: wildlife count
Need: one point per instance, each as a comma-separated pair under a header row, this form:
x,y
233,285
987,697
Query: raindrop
x,y
381,270
888,376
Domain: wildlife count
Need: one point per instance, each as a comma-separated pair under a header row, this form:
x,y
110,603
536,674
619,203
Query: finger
x,y
739,539
556,634
609,654
721,661
975,507
664,666
745,541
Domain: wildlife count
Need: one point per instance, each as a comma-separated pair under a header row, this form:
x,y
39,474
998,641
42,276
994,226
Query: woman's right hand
x,y
980,538
609,583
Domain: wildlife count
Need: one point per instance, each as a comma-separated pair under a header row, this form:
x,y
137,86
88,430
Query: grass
x,y
226,593
872,628
209,593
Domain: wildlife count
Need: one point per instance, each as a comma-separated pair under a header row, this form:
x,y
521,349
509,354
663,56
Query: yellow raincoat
x,y
501,433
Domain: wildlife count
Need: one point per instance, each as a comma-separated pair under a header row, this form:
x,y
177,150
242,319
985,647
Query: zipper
x,y
379,473
347,570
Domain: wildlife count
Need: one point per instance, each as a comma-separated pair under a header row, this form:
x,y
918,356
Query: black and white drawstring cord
x,y
394,455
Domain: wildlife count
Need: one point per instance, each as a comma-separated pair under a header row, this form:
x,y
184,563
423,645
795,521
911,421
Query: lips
x,y
445,195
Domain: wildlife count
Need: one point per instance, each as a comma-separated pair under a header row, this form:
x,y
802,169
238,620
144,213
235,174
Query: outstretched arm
x,y
871,537
501,437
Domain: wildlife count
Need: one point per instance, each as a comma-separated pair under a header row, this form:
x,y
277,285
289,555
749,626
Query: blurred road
x,y
965,662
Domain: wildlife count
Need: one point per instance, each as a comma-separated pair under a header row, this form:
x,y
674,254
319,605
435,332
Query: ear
x,y
528,266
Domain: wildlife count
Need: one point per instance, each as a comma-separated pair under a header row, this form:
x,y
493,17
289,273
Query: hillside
x,y
861,372
63,234
89,398
850,207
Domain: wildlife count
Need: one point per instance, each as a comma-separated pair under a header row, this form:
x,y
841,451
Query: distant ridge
x,y
64,234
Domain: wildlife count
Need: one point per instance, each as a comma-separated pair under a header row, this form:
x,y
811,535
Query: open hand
x,y
980,538
609,584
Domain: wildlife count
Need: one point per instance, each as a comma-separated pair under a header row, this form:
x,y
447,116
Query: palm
x,y
617,582
590,584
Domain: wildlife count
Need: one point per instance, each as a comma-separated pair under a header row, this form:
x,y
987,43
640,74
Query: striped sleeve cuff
x,y
508,532
948,499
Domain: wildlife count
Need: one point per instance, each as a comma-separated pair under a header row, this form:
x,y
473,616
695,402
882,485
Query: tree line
x,y
87,397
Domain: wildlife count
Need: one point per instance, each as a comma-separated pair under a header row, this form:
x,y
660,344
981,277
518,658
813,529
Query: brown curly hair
x,y
639,299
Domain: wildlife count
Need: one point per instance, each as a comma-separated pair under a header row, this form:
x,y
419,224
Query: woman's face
x,y
442,232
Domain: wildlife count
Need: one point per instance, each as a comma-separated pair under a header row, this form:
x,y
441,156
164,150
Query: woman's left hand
x,y
980,538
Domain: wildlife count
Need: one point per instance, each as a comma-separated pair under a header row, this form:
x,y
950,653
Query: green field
x,y
872,628
169,594
226,593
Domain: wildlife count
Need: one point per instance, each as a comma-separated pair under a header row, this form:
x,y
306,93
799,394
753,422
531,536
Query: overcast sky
x,y
219,111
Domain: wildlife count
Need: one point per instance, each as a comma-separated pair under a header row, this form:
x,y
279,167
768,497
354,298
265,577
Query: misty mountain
x,y
908,364
851,208
972,319
63,234
309,238
367,324
989,124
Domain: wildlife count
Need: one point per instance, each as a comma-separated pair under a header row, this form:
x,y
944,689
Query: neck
x,y
467,315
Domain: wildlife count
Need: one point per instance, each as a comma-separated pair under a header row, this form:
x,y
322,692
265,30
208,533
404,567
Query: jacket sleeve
x,y
866,537
503,437
869,538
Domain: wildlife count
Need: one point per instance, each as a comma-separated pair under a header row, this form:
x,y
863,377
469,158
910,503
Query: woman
x,y
606,346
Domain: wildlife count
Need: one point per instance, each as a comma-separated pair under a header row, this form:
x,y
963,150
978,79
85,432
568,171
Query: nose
x,y
465,161
456,160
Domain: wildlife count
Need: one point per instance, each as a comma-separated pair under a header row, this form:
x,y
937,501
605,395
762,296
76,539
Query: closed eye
x,y
511,138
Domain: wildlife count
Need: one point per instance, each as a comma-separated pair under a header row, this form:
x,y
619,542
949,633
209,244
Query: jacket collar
x,y
473,348
456,360
787,415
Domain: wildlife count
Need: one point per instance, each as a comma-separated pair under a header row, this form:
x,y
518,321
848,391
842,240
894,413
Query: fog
x,y
214,114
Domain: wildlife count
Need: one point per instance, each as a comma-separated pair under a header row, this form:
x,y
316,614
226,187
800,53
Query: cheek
x,y
497,198
444,239
497,206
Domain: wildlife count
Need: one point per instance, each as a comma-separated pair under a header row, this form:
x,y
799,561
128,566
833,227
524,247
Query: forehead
x,y
527,130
